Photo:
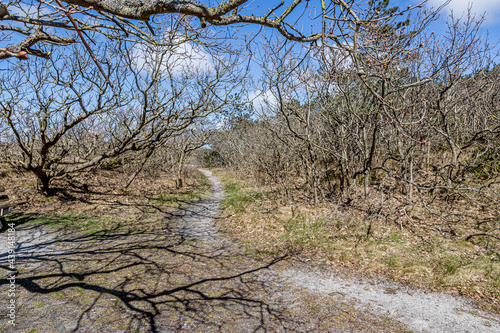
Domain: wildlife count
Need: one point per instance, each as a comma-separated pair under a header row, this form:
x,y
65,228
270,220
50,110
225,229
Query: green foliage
x,y
305,231
330,176
392,261
382,7
166,199
232,188
486,165
213,159
110,165
451,264
177,198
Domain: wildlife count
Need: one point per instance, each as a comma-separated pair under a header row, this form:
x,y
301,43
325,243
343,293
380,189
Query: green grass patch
x,y
237,199
73,221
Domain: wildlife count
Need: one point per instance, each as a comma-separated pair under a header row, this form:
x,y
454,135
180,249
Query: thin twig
x,y
84,41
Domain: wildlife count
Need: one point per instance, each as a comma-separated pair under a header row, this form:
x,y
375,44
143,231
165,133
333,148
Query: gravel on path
x,y
418,310
188,278
198,219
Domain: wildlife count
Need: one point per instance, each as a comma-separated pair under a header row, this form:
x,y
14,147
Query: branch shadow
x,y
151,281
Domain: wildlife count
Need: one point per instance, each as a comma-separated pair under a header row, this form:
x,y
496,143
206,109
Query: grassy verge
x,y
421,257
72,221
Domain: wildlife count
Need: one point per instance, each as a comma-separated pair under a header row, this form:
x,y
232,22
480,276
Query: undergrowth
x,y
142,207
416,256
187,194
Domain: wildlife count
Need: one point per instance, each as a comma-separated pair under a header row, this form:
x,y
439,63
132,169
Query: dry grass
x,y
345,238
96,199
115,271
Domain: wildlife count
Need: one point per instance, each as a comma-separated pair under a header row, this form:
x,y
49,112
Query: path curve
x,y
198,219
420,311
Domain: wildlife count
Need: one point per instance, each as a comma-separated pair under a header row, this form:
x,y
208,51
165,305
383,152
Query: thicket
x,y
411,135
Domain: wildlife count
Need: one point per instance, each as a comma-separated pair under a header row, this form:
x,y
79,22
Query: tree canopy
x,y
28,24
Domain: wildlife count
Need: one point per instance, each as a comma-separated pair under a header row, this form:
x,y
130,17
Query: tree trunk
x,y
141,166
180,164
410,185
43,182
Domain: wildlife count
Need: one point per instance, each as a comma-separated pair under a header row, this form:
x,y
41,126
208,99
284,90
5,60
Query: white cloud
x,y
185,58
263,101
491,8
190,57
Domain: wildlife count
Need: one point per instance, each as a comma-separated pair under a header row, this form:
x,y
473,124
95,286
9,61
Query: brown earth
x,y
138,270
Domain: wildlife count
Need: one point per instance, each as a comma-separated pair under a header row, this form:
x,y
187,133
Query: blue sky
x,y
489,8
491,25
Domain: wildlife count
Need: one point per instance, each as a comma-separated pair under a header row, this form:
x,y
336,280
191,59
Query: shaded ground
x,y
168,277
197,220
178,275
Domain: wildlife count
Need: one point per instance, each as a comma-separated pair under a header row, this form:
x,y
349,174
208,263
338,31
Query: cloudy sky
x,y
491,8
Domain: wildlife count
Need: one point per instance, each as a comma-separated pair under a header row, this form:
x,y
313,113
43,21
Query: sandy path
x,y
185,277
198,220
418,310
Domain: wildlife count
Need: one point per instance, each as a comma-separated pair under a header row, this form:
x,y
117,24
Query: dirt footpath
x,y
181,275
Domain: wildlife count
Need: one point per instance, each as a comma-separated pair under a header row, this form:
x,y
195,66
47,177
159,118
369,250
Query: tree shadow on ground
x,y
153,280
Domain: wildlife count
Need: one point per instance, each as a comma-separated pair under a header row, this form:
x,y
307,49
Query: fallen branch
x,y
487,233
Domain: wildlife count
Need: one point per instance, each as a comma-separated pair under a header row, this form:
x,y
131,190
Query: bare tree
x,y
337,22
411,132
178,149
62,118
